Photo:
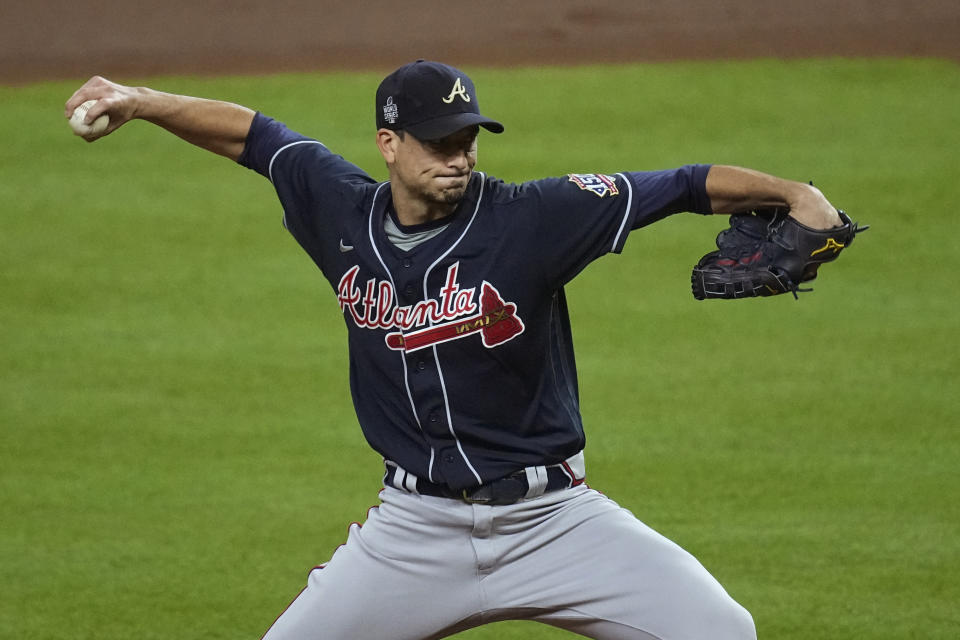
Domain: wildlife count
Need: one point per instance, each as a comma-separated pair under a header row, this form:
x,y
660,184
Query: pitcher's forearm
x,y
220,127
735,190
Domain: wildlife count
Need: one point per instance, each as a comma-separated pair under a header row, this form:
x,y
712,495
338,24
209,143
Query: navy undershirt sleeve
x,y
265,138
663,193
315,186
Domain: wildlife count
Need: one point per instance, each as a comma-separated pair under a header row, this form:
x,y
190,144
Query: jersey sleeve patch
x,y
596,183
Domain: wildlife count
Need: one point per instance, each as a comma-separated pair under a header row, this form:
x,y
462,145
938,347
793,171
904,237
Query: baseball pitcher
x,y
462,372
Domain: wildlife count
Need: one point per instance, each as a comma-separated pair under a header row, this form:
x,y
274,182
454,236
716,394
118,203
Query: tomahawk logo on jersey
x,y
454,315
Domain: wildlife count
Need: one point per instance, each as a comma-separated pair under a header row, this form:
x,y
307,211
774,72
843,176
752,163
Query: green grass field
x,y
177,443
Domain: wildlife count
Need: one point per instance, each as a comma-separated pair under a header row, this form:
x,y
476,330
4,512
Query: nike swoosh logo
x,y
345,247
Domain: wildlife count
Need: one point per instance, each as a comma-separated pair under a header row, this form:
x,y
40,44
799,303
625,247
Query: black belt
x,y
506,490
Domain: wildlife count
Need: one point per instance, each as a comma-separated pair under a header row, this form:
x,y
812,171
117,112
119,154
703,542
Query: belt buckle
x,y
504,491
475,497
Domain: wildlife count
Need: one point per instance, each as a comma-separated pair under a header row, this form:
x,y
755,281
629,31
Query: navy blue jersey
x,y
461,360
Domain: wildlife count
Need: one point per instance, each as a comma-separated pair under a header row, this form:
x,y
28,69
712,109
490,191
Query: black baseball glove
x,y
766,253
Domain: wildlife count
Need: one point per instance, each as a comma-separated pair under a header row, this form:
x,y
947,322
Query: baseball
x,y
81,128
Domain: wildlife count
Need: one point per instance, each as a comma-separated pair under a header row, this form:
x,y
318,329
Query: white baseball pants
x,y
424,567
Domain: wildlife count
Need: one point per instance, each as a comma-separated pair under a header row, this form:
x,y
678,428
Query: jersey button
x,y
410,290
421,365
407,262
449,459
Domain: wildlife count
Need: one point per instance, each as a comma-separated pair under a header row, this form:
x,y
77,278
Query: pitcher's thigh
x,y
610,576
376,586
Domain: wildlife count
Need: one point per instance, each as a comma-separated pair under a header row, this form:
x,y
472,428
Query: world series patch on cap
x,y
430,100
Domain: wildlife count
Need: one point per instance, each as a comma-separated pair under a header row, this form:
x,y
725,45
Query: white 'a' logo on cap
x,y
458,90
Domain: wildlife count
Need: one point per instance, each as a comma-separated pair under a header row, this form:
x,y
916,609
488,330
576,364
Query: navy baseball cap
x,y
431,100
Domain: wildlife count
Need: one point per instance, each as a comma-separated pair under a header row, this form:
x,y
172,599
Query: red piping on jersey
x,y
574,481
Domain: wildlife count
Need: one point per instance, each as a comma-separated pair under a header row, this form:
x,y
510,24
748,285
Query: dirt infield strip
x,y
60,39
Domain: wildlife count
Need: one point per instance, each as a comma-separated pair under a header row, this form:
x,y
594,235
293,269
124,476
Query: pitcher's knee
x,y
730,622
